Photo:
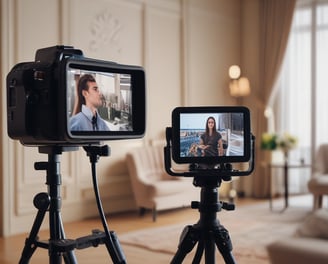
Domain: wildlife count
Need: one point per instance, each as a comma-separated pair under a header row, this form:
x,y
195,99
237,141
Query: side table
x,y
286,166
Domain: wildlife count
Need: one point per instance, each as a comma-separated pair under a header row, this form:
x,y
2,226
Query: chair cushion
x,y
164,188
319,185
321,164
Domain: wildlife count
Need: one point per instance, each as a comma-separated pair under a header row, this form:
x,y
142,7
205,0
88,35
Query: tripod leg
x,y
188,240
41,202
224,245
209,250
199,252
69,257
57,233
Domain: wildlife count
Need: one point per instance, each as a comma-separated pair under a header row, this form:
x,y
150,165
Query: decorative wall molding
x,y
105,29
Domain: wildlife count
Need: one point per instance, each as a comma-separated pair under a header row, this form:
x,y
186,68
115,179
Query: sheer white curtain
x,y
321,110
301,101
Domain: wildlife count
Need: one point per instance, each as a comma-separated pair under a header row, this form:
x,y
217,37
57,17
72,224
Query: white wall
x,y
212,45
186,48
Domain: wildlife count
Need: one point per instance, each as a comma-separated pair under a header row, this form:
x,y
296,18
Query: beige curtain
x,y
275,22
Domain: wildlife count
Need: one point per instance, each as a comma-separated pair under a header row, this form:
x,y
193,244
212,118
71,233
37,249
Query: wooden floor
x,y
11,247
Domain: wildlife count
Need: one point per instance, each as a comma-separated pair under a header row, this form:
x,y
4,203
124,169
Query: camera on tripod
x,y
44,95
210,139
62,101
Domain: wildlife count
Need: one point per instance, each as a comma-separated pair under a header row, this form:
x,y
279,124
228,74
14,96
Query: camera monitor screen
x,y
210,135
103,102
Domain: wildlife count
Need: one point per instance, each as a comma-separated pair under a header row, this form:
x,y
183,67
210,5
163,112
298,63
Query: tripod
x,y
208,231
60,248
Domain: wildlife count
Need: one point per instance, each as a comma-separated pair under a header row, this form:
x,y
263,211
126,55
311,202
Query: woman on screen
x,y
211,141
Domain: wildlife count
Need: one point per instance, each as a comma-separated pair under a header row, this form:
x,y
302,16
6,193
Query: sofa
x,y
152,187
309,244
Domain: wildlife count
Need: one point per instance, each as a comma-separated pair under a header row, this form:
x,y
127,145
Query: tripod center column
x,y
54,181
209,205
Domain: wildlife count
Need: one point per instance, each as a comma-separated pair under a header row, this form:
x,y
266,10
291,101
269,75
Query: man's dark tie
x,y
94,123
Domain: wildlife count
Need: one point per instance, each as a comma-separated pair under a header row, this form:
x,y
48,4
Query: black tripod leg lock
x,y
222,239
94,240
62,245
188,239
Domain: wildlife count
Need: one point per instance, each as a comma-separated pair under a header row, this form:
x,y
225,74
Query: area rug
x,y
251,229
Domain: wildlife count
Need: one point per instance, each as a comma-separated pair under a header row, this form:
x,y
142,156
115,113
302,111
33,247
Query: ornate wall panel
x,y
106,29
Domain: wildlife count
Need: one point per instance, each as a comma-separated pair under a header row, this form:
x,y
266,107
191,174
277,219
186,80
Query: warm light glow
x,y
234,72
268,112
240,87
244,87
233,88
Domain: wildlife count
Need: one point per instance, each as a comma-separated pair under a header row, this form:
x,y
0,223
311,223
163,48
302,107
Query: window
x,y
301,101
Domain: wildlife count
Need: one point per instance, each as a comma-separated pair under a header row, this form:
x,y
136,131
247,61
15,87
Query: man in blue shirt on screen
x,y
86,116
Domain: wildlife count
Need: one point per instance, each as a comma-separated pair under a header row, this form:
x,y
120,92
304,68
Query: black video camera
x,y
44,96
210,139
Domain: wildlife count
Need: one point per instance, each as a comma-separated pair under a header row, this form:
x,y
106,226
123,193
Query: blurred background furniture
x,y
286,166
318,184
152,187
299,250
307,245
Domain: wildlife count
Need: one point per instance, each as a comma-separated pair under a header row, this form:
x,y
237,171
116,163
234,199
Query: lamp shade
x,y
240,87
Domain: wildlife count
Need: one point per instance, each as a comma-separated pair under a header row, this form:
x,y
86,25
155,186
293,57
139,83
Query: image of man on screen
x,y
211,142
85,116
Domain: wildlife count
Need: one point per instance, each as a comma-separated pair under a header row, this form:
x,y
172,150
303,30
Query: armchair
x,y
152,187
318,184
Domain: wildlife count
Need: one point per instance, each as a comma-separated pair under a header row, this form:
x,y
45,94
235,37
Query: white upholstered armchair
x,y
153,188
318,184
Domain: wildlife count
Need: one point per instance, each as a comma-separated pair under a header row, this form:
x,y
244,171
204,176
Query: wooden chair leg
x,y
154,214
142,211
314,202
317,202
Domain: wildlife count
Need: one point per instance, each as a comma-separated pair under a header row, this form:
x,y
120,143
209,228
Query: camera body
x,y
41,96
